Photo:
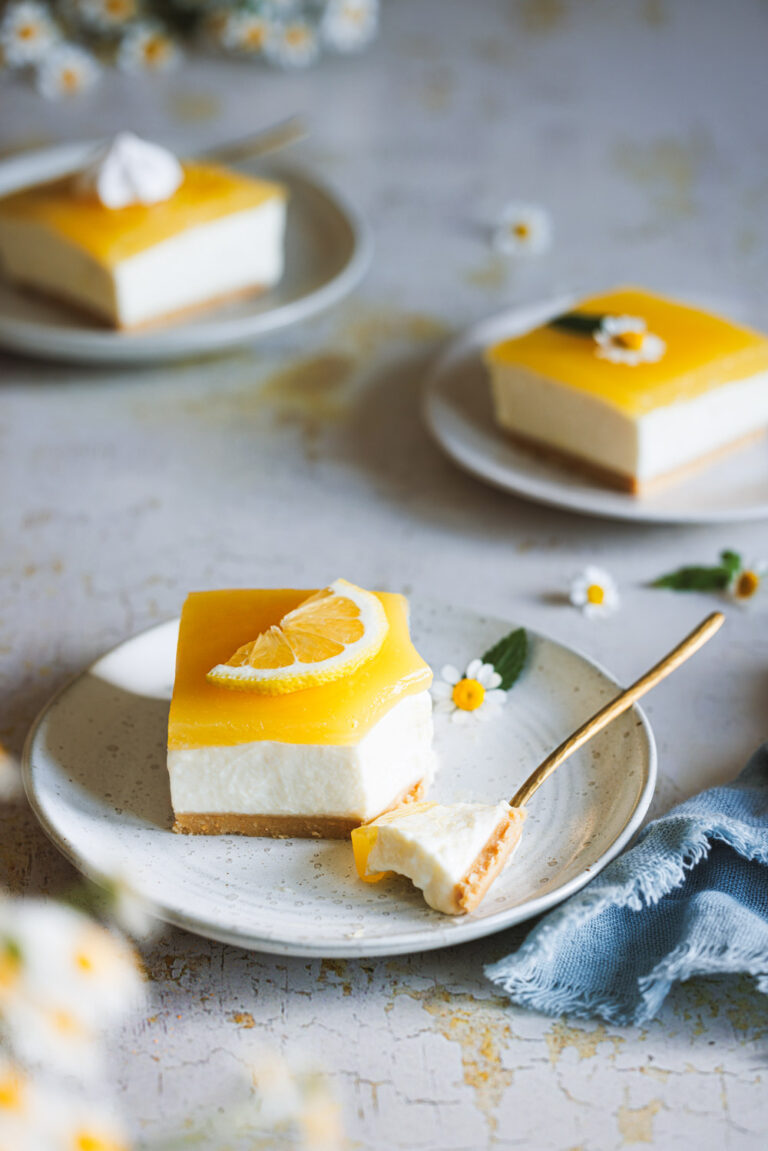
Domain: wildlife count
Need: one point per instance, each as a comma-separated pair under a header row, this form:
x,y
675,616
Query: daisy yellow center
x,y
89,1141
521,230
10,965
70,80
11,1092
254,36
632,341
155,50
747,584
595,594
468,694
28,31
65,1023
295,36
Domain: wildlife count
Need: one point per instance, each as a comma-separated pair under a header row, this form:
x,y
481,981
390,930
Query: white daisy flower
x,y
595,592
27,33
52,1038
475,695
59,962
523,230
626,340
292,45
84,1125
21,1106
108,15
245,32
67,70
349,25
748,581
147,47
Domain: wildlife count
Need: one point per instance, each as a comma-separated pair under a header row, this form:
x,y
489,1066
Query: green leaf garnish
x,y
695,577
508,657
578,323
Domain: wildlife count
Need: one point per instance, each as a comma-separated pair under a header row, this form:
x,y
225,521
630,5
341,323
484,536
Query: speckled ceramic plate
x,y
95,773
328,250
458,412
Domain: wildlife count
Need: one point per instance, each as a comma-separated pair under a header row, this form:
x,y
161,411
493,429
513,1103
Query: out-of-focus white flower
x,y
67,70
52,1038
523,230
292,45
127,908
349,25
595,592
245,32
147,47
278,1096
296,1099
19,1109
85,1126
321,1117
626,340
107,15
27,33
60,964
748,581
475,695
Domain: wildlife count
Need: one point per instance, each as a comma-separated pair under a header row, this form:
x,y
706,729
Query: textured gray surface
x,y
641,127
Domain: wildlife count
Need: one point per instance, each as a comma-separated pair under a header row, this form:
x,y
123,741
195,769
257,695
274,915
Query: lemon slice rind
x,y
302,623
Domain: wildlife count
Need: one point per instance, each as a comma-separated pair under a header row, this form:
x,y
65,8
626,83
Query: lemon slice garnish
x,y
329,635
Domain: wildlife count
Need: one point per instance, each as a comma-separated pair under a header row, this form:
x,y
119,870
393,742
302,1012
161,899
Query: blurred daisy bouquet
x,y
66,981
63,45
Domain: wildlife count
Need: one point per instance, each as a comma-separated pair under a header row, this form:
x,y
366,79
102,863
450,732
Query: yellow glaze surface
x,y
111,235
703,352
363,841
215,623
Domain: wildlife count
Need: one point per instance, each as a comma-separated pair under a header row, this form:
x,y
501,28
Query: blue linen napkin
x,y
690,898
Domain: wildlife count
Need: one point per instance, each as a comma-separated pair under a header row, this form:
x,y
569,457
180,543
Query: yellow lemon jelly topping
x,y
216,623
702,352
207,193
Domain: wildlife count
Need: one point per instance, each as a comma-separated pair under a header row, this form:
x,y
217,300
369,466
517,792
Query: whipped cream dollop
x,y
128,170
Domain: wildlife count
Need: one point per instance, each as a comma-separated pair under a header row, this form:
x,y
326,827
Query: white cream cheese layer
x,y
228,255
356,781
646,447
436,846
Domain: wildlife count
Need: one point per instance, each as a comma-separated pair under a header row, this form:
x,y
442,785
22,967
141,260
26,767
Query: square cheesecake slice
x,y
632,387
219,235
313,762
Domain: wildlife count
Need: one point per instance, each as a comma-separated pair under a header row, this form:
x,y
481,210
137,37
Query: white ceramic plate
x,y
328,250
457,409
95,774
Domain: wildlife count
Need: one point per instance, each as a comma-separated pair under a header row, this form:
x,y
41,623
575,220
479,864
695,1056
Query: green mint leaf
x,y
731,561
508,657
695,578
578,323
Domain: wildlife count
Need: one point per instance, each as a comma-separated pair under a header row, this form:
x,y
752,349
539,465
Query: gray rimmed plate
x,y
94,769
328,250
459,413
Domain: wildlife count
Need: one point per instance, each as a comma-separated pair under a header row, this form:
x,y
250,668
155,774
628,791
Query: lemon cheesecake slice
x,y
137,237
632,386
295,712
453,852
